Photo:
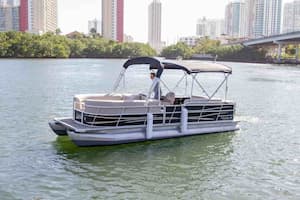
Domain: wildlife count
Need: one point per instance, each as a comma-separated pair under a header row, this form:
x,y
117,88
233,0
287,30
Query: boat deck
x,y
71,124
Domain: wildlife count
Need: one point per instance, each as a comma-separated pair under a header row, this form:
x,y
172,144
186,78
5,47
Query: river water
x,y
261,161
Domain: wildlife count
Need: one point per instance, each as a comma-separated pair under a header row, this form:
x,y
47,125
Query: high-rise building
x,y
9,2
212,28
51,15
272,18
259,18
94,24
23,15
42,16
250,14
36,16
296,15
201,27
9,17
113,19
235,19
288,18
262,17
291,17
154,25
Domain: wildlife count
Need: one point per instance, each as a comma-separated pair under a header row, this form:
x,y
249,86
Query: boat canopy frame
x,y
189,68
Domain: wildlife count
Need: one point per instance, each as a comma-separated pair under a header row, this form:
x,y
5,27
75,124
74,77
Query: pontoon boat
x,y
117,118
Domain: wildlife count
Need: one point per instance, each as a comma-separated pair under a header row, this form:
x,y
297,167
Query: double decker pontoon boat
x,y
117,118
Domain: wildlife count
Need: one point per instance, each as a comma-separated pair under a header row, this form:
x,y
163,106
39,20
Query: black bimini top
x,y
188,66
154,64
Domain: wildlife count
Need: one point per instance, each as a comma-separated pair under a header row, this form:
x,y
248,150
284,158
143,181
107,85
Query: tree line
x,y
76,45
214,47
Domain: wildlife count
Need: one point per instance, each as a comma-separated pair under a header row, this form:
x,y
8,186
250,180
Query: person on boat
x,y
156,89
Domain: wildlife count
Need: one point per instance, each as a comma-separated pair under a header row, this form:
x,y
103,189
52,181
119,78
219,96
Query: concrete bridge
x,y
278,41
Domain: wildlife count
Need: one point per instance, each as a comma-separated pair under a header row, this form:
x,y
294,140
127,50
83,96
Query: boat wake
x,y
249,119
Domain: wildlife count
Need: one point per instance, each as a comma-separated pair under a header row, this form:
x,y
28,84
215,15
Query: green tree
x,y
206,45
4,45
75,45
178,50
77,48
58,31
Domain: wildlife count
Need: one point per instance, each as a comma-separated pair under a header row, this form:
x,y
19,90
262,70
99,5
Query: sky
x,y
178,17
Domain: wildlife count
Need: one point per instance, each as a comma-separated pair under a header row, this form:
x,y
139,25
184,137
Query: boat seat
x,y
100,97
169,99
117,107
84,97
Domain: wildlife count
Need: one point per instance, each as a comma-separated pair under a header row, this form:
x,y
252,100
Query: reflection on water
x,y
195,144
172,163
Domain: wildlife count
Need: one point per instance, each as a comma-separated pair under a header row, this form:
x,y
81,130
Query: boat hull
x,y
123,136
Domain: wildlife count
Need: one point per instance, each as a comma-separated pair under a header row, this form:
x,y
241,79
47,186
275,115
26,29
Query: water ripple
x,y
261,161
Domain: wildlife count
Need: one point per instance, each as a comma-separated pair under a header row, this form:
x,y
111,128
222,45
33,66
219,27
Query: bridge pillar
x,y
279,51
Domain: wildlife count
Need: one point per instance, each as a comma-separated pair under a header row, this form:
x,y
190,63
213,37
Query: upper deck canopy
x,y
187,66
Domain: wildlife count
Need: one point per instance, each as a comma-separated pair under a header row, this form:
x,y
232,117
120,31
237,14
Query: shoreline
x,y
283,62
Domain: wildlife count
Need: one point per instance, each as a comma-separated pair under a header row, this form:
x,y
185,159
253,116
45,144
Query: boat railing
x,y
164,114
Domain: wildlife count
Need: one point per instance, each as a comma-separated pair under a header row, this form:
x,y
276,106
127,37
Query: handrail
x,y
211,114
113,107
207,117
155,106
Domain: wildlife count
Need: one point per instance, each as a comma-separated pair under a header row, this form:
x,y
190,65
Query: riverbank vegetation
x,y
76,45
213,47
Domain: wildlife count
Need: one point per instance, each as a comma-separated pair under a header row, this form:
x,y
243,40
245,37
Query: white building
x,y
250,14
212,28
259,18
154,25
272,18
190,41
291,17
262,18
235,19
9,2
113,19
9,17
95,24
201,27
42,16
